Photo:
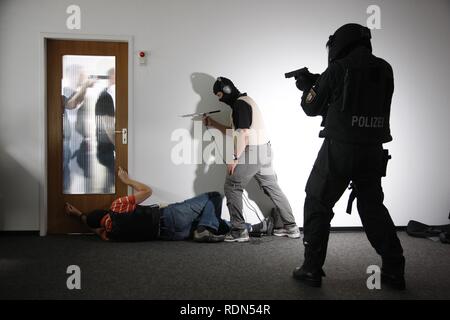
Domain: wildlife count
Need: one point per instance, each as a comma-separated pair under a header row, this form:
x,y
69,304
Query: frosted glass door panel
x,y
88,102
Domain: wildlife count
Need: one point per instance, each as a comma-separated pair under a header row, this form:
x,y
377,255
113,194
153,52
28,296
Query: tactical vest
x,y
141,225
258,134
361,113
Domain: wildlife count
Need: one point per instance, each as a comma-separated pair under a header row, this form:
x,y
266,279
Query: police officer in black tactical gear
x,y
354,98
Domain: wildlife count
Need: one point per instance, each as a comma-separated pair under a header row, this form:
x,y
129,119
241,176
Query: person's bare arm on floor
x,y
75,212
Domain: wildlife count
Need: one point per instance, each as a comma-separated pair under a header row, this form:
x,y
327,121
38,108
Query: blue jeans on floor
x,y
179,219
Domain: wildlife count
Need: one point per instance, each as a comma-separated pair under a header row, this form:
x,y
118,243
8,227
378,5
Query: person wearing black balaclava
x,y
252,158
353,96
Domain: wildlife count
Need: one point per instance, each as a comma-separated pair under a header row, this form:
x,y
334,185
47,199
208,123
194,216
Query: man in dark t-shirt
x,y
252,159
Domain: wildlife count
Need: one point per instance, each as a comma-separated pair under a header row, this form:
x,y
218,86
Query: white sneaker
x,y
292,232
237,236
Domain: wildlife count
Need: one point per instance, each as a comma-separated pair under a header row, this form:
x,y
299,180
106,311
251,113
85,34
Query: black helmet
x,y
346,38
229,90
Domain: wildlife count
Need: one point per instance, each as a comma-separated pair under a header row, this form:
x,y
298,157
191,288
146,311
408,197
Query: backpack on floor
x,y
421,230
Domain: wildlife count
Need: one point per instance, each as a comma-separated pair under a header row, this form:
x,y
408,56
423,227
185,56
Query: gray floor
x,y
34,267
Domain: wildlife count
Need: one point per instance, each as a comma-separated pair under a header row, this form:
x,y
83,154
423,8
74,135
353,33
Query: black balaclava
x,y
346,38
94,218
230,92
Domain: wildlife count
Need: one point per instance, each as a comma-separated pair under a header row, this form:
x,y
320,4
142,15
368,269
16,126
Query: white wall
x,y
254,43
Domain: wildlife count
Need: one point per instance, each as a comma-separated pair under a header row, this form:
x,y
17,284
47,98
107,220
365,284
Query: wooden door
x,y
87,112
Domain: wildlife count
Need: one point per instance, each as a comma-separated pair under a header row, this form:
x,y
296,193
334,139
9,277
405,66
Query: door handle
x,y
124,133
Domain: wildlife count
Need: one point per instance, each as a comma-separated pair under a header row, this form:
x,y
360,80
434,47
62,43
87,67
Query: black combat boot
x,y
394,281
392,273
312,279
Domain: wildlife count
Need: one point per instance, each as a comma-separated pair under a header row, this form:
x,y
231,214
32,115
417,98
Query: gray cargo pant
x,y
256,162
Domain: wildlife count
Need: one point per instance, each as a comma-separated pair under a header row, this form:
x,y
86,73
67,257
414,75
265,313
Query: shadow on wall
x,y
208,177
211,177
18,194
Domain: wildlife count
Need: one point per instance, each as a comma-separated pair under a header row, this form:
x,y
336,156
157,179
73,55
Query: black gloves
x,y
303,82
306,80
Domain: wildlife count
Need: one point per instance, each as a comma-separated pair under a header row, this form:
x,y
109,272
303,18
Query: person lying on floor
x,y
127,220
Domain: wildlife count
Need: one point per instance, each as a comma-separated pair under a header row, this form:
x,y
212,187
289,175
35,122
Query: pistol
x,y
296,73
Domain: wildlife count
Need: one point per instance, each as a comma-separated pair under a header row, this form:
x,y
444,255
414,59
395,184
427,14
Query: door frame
x,y
42,63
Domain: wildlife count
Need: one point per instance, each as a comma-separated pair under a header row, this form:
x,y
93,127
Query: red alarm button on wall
x,y
142,56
